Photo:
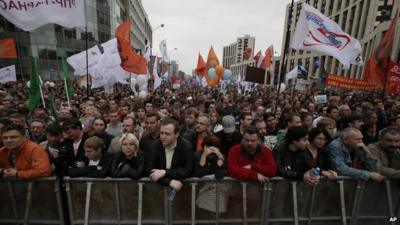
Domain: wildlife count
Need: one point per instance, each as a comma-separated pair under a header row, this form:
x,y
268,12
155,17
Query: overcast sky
x,y
194,25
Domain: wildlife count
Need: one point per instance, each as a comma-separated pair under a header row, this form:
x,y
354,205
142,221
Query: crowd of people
x,y
173,134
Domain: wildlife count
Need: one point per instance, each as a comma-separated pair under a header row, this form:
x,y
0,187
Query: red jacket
x,y
32,161
261,162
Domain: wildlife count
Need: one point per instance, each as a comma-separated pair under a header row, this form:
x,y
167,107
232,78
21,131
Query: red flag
x,y
212,59
8,49
377,66
267,62
201,66
393,85
257,56
130,60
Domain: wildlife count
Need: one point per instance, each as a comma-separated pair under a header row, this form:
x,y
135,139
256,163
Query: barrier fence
x,y
201,201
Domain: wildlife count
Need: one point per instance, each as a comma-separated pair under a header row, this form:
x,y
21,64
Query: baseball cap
x,y
228,122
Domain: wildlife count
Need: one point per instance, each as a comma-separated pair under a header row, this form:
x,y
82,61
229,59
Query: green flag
x,y
53,107
34,88
70,89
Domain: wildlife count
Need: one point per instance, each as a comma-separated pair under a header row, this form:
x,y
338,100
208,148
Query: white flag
x,y
157,80
292,74
78,61
29,15
164,50
316,32
204,82
8,74
147,52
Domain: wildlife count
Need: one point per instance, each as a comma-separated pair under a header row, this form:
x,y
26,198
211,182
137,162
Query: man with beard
x,y
388,153
251,160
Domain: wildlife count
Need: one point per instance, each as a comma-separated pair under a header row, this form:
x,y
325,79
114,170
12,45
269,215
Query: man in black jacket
x,y
171,158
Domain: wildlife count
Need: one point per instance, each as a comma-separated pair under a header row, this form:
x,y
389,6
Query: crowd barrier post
x,y
357,202
140,202
193,203
244,202
312,202
295,208
392,217
342,202
13,202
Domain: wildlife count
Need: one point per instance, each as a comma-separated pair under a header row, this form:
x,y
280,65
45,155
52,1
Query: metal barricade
x,y
124,201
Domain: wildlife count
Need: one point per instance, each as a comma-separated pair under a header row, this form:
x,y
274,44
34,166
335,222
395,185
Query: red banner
x,y
393,81
348,83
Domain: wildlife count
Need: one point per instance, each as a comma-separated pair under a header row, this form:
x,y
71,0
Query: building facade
x,y
238,55
49,43
365,20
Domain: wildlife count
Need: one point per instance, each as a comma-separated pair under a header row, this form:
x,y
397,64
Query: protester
x,y
21,158
251,160
130,162
349,156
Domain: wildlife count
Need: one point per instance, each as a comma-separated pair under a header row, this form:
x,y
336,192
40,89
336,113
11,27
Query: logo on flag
x,y
323,36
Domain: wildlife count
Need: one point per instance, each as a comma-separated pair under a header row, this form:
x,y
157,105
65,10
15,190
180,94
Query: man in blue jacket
x,y
349,156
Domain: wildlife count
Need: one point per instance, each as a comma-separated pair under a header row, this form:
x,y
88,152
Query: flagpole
x,y
41,91
284,54
66,92
87,53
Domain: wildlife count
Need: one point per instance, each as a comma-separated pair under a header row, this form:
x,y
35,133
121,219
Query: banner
x,y
8,49
317,33
8,74
393,82
31,14
164,50
348,83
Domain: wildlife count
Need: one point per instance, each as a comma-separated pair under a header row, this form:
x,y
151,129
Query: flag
x,y
130,60
69,89
212,59
147,52
292,74
201,66
317,33
8,74
7,48
377,67
78,61
157,80
53,107
34,87
257,58
164,50
267,61
302,72
29,15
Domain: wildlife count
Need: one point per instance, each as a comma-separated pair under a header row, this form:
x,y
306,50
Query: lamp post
x,y
158,27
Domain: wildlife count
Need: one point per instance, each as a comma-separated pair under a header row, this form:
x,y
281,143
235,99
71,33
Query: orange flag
x,y
201,66
393,85
212,59
257,56
8,49
267,62
130,60
377,66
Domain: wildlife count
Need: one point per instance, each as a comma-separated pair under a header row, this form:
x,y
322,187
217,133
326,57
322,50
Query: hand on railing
x,y
309,179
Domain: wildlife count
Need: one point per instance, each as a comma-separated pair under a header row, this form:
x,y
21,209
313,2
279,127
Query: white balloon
x,y
142,94
141,79
28,84
283,87
52,84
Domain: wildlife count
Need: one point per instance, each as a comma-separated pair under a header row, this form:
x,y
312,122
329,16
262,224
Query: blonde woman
x,y
129,163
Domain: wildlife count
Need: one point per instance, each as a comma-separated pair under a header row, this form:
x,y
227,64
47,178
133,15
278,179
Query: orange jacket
x,y
32,161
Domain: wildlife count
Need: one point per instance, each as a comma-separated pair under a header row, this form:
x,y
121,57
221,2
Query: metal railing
x,y
124,201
